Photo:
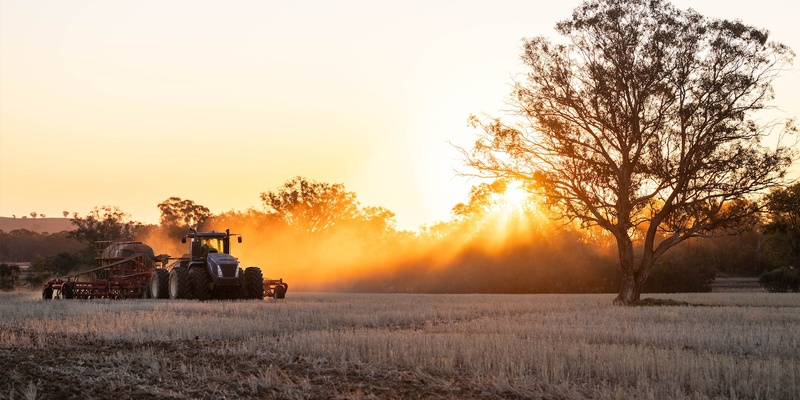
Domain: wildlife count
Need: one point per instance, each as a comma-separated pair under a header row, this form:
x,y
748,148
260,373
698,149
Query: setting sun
x,y
515,195
514,199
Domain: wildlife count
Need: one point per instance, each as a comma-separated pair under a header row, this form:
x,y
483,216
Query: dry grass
x,y
738,345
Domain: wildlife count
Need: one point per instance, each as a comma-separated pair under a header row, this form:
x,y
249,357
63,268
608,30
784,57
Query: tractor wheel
x,y
254,282
68,291
280,291
159,284
242,286
201,282
47,293
179,284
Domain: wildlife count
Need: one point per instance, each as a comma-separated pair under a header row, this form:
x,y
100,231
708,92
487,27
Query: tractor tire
x,y
201,282
280,291
47,293
242,285
159,284
254,282
180,286
68,291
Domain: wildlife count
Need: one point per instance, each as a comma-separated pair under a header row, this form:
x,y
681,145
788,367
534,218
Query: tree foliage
x,y
641,123
104,223
176,212
316,207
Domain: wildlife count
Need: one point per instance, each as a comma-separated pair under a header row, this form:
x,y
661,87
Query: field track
x,y
320,346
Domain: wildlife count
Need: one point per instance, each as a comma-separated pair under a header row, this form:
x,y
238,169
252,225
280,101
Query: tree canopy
x,y
642,123
315,207
104,223
176,212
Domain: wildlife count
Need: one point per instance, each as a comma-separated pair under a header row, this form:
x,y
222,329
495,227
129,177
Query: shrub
x,y
781,280
9,276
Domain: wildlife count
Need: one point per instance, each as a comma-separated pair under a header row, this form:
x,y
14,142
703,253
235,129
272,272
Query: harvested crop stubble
x,y
387,346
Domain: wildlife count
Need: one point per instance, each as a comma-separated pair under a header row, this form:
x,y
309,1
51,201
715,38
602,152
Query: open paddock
x,y
329,345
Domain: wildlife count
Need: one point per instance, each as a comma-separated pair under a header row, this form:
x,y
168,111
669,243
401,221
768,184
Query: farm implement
x,y
132,270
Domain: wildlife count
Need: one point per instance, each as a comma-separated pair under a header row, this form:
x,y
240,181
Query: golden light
x,y
512,199
515,195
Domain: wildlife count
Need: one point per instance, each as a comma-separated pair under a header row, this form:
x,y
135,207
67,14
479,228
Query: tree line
x,y
320,236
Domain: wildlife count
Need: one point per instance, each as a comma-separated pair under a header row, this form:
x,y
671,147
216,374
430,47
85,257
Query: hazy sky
x,y
127,103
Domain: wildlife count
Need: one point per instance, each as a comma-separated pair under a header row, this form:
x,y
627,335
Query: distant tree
x,y
180,214
641,124
14,216
314,207
104,223
378,218
784,223
43,216
66,213
33,214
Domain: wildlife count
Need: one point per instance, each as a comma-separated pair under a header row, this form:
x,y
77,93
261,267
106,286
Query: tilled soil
x,y
83,367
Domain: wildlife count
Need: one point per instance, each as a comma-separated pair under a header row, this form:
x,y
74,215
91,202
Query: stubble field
x,y
320,346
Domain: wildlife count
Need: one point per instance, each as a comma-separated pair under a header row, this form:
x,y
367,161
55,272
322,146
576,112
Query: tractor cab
x,y
204,243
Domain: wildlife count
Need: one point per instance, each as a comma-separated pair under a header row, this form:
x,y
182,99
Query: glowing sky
x,y
127,103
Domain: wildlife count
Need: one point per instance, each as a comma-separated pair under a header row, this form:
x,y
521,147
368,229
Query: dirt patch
x,y
80,367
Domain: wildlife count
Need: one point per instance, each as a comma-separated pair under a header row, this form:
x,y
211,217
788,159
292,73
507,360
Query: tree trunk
x,y
629,291
633,282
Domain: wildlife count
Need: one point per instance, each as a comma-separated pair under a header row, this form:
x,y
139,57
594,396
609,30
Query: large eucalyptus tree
x,y
641,122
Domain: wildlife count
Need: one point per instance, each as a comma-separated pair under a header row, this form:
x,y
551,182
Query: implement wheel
x,y
47,293
280,291
159,284
201,282
254,282
68,291
180,284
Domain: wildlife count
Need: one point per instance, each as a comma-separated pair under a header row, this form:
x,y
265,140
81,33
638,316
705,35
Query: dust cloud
x,y
491,254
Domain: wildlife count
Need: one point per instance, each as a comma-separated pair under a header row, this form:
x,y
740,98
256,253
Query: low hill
x,y
39,225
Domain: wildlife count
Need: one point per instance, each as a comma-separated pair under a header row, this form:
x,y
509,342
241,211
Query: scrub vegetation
x,y
715,345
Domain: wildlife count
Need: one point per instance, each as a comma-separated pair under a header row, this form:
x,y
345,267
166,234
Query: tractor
x,y
209,271
127,270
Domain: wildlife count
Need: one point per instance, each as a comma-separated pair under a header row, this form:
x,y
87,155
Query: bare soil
x,y
85,367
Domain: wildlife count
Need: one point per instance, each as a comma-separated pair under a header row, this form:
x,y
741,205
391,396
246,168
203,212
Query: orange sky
x,y
129,103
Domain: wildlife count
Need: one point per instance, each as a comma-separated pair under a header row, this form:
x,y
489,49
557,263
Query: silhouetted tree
x,y
177,215
315,207
34,214
104,223
66,213
641,124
